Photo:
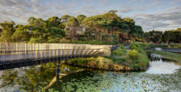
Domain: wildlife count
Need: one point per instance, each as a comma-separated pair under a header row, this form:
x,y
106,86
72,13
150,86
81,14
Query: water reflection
x,y
116,82
29,79
159,77
162,67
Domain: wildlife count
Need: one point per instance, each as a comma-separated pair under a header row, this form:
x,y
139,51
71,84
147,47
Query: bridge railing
x,y
35,51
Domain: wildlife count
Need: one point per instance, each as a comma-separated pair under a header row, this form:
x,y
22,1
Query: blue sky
x,y
150,14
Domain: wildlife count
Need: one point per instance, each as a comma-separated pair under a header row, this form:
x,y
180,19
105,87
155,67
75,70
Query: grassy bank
x,y
135,58
97,62
169,55
164,45
120,59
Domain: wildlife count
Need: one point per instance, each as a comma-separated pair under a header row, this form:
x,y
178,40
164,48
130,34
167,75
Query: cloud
x,y
7,3
146,13
161,20
125,9
175,1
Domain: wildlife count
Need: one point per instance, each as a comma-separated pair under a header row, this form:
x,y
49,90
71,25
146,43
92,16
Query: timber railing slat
x,y
39,51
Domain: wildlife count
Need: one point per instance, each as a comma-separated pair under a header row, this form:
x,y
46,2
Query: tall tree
x,y
96,23
80,18
167,36
7,31
21,34
72,28
137,30
64,18
112,21
54,22
154,36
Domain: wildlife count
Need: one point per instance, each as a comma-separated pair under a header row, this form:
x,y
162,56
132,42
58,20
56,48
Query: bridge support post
x,y
58,71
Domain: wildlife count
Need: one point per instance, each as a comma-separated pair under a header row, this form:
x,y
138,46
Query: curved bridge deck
x,y
23,54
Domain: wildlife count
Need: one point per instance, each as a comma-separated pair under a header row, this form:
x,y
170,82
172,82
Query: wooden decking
x,y
23,54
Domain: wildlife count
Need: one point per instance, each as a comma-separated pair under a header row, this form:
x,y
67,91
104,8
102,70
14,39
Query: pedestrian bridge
x,y
24,54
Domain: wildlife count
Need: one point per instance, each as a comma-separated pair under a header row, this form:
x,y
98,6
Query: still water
x,y
161,76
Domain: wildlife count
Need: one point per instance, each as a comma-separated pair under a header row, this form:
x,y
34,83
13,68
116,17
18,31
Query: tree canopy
x,y
166,36
107,27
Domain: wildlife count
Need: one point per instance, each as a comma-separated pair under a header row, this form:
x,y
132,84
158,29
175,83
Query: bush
x,y
36,40
137,57
135,46
64,40
138,46
119,51
133,54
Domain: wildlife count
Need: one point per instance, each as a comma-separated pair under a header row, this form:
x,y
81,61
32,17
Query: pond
x,y
162,75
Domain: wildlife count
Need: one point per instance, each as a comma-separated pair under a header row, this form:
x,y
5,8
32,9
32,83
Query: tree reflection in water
x,y
31,78
43,78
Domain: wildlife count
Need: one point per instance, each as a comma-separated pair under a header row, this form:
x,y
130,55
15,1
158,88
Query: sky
x,y
150,14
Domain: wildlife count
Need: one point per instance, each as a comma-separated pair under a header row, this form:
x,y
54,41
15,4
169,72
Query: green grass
x,y
169,55
176,45
164,45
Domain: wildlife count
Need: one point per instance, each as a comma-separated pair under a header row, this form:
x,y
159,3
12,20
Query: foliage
x,y
154,36
72,28
65,18
94,42
98,62
55,34
105,28
166,37
7,29
136,57
133,54
80,18
138,46
119,51
32,77
21,35
36,40
172,45
175,45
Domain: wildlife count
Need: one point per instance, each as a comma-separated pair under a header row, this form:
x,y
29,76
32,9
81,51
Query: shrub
x,y
138,46
36,40
119,51
135,46
64,40
133,54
